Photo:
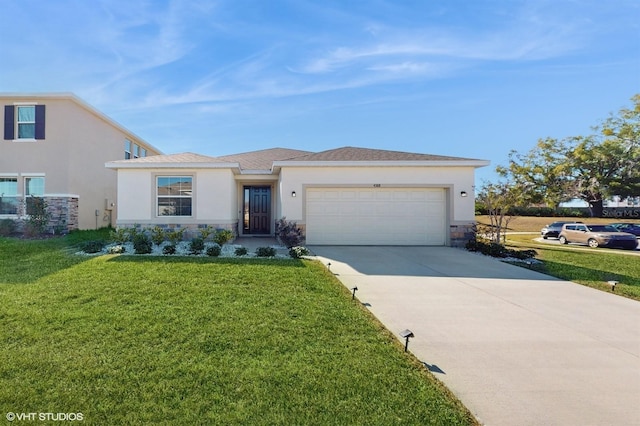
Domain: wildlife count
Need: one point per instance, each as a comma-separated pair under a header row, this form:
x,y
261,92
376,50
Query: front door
x,y
257,210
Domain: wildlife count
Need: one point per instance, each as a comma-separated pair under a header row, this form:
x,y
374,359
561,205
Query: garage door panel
x,y
375,216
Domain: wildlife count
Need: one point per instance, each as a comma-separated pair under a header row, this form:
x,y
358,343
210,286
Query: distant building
x,y
55,146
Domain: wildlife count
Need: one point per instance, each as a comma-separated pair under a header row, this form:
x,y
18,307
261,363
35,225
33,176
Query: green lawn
x,y
584,265
143,340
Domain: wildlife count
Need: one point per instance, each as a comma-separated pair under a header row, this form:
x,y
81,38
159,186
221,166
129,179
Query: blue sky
x,y
465,78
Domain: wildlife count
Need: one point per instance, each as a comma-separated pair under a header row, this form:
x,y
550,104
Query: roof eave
x,y
174,165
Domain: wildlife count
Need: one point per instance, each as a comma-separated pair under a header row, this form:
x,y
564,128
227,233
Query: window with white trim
x,y
136,151
127,149
174,195
26,122
8,195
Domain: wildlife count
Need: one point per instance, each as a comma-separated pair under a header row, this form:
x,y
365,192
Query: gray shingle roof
x,y
185,157
349,153
263,159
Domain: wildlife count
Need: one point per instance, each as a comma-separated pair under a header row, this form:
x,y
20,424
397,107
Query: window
x,y
143,152
136,151
33,187
27,122
174,194
127,149
8,195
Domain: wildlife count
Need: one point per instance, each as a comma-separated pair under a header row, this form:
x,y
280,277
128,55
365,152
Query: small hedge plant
x,y
265,252
196,246
298,251
158,235
95,246
118,249
222,236
214,250
241,251
142,243
7,227
498,250
119,236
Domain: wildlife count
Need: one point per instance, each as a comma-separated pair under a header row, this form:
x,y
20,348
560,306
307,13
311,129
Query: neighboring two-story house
x,y
55,146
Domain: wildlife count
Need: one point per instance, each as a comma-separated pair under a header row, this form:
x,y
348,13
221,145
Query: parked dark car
x,y
596,236
553,230
632,228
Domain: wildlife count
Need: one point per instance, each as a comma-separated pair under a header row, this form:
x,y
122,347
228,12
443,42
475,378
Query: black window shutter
x,y
9,123
40,121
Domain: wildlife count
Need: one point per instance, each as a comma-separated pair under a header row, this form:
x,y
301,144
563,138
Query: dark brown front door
x,y
257,209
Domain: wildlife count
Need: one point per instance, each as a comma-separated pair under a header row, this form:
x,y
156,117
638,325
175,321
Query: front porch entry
x,y
256,205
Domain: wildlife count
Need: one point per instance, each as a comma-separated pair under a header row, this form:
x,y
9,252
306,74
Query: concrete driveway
x,y
517,347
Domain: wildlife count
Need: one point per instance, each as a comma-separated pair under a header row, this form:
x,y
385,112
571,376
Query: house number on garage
x,y
376,185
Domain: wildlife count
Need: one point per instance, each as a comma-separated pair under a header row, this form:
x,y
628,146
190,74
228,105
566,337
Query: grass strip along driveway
x,y
592,267
131,340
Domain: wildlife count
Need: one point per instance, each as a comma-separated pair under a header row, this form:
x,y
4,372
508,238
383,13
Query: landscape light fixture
x,y
613,284
354,289
329,266
293,194
406,334
463,194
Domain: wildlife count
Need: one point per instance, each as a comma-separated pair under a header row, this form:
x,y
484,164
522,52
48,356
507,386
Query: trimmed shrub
x,y
175,235
298,251
206,232
169,249
288,233
142,244
196,246
222,236
119,236
241,251
498,250
158,235
214,251
265,252
7,227
92,246
117,249
39,216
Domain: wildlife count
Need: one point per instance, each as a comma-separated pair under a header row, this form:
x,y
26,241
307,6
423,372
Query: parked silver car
x,y
596,236
553,229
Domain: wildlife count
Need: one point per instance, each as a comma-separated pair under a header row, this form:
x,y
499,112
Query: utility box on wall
x,y
109,204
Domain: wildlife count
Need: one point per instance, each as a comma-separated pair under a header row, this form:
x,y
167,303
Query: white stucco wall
x,y
216,194
214,197
454,179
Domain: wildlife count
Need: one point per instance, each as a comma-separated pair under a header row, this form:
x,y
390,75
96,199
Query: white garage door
x,y
375,216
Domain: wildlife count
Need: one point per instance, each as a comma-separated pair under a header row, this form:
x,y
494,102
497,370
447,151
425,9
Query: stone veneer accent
x,y
461,233
192,230
64,214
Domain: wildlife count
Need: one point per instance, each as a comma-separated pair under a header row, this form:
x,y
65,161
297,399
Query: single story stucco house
x,y
344,196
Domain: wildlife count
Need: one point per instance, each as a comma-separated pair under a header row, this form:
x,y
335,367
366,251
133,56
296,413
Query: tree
x,y
542,173
591,168
498,199
606,163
